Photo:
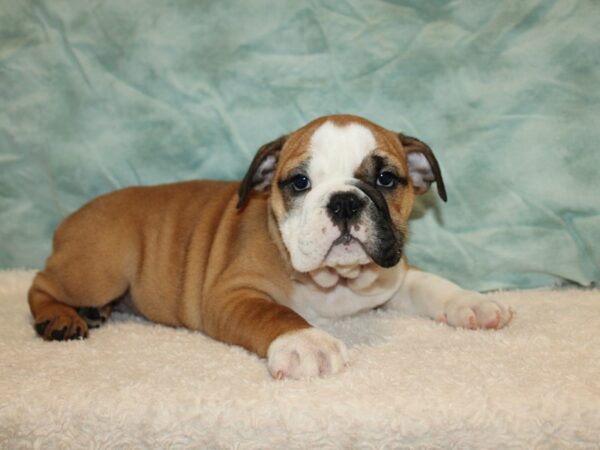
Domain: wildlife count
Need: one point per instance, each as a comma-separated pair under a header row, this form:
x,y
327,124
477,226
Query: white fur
x,y
428,295
371,287
334,155
336,152
306,353
328,294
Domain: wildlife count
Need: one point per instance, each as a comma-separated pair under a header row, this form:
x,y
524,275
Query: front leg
x,y
293,348
429,295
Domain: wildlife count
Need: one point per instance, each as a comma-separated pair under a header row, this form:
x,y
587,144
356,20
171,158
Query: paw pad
x,y
306,353
475,311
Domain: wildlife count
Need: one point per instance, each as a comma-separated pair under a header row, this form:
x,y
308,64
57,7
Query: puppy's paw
x,y
473,310
95,317
306,353
60,324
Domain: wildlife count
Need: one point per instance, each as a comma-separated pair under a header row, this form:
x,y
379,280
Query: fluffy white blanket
x,y
411,383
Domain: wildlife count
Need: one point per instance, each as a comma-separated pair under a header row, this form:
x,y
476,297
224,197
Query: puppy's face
x,y
342,189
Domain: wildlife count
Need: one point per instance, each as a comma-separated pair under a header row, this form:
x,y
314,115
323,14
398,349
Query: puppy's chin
x,y
345,259
346,254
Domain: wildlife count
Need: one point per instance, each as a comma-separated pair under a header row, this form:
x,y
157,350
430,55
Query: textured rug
x,y
410,383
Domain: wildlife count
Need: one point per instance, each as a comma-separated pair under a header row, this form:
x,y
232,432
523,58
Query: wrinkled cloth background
x,y
99,95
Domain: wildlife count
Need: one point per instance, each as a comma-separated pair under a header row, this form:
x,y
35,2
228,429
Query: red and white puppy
x,y
315,229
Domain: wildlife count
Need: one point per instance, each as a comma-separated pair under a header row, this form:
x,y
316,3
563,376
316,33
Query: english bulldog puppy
x,y
315,229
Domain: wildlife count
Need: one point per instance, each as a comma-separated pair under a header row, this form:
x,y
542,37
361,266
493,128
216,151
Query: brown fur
x,y
184,253
193,254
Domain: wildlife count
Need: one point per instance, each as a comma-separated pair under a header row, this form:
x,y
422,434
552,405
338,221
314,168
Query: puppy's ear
x,y
260,173
423,168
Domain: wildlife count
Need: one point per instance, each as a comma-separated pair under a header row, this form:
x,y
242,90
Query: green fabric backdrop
x,y
98,95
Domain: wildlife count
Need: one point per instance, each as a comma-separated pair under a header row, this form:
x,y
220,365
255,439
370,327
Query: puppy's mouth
x,y
346,250
344,239
349,250
345,258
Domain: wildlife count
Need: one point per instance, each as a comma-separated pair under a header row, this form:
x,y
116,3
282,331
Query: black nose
x,y
344,205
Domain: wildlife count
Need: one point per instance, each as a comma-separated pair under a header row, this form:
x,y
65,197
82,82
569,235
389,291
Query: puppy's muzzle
x,y
344,206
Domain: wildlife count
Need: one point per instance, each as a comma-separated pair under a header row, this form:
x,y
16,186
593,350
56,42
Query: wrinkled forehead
x,y
337,151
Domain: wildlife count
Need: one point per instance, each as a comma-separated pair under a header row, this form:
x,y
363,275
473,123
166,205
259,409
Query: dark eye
x,y
300,183
386,179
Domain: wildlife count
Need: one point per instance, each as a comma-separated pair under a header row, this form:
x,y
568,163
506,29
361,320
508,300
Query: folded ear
x,y
423,168
260,173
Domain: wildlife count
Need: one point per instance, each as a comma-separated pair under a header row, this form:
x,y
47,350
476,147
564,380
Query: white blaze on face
x,y
335,153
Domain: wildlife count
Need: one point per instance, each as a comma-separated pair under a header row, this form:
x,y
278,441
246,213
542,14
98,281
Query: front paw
x,y
306,353
473,310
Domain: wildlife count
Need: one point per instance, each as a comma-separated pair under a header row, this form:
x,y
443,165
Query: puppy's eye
x,y
386,179
300,183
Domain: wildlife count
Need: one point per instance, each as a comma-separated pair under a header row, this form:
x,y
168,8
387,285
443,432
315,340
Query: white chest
x,y
313,301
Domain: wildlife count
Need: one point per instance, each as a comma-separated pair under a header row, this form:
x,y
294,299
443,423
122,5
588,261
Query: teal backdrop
x,y
98,95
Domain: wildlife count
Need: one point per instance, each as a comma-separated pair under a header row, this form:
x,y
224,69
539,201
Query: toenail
x,y
59,335
41,326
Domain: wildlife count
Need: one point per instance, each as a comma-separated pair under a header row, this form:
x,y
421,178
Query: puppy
x,y
315,229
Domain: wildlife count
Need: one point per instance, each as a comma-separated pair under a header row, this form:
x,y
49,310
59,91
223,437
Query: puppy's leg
x,y
64,302
53,319
294,349
431,296
88,268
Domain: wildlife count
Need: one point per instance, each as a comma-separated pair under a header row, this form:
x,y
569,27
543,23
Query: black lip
x,y
390,253
390,256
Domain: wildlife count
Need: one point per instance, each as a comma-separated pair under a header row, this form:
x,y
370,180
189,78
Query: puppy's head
x,y
342,189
